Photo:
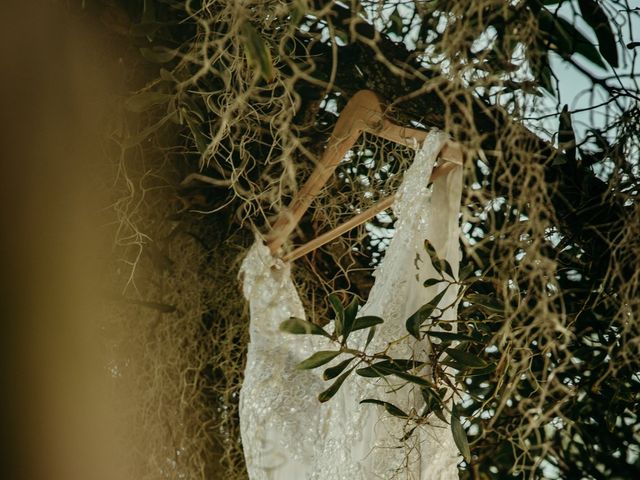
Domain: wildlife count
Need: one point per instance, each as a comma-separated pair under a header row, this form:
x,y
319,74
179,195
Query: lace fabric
x,y
286,432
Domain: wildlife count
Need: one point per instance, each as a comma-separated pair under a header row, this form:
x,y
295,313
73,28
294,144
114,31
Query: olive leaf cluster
x,y
449,343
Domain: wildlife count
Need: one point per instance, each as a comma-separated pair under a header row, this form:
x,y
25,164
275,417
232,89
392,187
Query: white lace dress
x,y
286,433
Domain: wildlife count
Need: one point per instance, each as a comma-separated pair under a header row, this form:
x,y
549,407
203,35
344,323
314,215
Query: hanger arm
x,y
363,113
356,221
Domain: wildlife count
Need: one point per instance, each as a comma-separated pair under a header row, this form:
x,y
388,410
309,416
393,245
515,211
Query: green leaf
x,y
446,326
447,268
450,337
610,418
258,52
370,335
299,326
335,386
389,407
436,261
403,363
440,414
394,367
450,362
388,367
333,372
366,321
466,358
595,16
542,72
434,402
430,282
200,139
477,372
566,135
318,359
558,38
339,311
145,100
380,369
430,396
415,321
581,44
466,271
396,22
486,301
430,249
158,54
349,317
439,264
459,435
566,39
193,107
413,379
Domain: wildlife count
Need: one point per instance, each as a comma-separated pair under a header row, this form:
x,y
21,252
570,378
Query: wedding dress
x,y
286,433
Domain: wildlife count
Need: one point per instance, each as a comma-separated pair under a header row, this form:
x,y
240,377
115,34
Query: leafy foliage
x,y
435,386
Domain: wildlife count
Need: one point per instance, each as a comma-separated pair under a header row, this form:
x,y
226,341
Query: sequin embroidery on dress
x,y
286,432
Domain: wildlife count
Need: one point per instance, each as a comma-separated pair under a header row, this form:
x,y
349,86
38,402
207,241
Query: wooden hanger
x,y
363,113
